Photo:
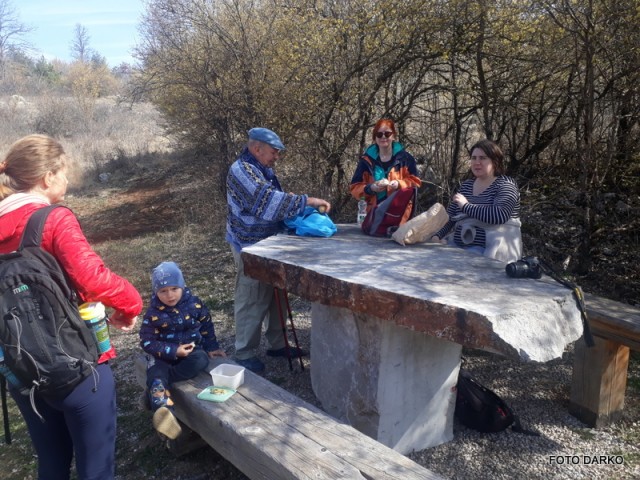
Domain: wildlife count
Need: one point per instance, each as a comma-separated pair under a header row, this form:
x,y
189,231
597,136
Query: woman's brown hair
x,y
493,151
28,161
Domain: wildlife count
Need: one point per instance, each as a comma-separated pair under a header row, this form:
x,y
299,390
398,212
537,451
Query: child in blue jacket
x,y
177,331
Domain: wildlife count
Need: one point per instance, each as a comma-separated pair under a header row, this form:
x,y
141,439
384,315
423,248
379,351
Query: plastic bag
x,y
311,223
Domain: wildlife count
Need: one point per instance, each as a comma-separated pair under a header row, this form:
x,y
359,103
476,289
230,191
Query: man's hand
x,y
318,202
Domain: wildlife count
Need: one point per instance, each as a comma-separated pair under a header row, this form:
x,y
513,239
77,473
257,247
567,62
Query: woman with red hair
x,y
384,167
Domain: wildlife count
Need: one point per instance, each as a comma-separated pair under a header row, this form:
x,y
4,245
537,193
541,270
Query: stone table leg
x,y
389,382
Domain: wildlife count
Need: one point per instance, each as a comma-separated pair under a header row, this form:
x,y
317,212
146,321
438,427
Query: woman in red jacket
x,y
32,176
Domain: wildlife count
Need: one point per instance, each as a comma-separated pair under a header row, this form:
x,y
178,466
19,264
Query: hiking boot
x,y
159,396
165,423
294,352
254,364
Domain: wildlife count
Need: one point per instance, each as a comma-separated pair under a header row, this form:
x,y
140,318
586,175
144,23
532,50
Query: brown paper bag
x,y
422,227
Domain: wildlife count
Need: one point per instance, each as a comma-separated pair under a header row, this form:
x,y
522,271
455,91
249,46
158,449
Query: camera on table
x,y
526,267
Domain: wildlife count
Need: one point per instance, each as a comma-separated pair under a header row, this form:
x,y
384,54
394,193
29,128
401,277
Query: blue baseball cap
x,y
266,136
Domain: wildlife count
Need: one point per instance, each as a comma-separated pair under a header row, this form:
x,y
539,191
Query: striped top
x,y
496,205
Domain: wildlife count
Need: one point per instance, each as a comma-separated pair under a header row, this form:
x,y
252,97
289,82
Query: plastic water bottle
x,y
6,373
362,210
95,317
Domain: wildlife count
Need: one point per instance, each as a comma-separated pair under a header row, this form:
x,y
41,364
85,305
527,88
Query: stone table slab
x,y
443,291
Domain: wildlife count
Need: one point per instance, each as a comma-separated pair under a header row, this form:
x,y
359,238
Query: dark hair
x,y
493,151
383,122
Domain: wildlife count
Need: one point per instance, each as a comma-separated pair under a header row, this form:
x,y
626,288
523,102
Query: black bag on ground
x,y
46,344
481,409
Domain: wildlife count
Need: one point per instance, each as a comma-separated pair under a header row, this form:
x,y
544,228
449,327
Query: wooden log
x,y
599,381
268,433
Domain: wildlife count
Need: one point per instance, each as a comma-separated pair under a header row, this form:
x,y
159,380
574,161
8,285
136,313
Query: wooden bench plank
x,y
268,433
614,321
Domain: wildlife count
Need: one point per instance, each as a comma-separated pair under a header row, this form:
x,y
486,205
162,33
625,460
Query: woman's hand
x,y
122,322
217,353
185,349
380,186
459,199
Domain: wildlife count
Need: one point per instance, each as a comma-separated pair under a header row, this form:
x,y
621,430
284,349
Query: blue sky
x,y
112,26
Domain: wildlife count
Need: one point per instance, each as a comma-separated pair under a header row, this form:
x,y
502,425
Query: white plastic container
x,y
227,375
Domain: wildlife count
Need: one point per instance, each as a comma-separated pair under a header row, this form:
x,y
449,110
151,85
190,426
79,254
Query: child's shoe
x,y
164,421
159,396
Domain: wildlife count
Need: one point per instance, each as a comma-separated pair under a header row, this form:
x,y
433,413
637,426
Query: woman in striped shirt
x,y
484,212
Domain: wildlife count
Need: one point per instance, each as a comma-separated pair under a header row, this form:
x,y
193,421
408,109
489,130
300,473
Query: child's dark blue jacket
x,y
165,328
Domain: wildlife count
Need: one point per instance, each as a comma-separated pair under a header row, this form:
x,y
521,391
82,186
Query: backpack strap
x,y
5,410
32,235
517,427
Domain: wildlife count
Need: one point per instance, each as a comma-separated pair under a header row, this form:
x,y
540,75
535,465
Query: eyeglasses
x,y
383,134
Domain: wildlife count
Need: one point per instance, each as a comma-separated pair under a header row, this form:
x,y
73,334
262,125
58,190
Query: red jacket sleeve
x,y
63,237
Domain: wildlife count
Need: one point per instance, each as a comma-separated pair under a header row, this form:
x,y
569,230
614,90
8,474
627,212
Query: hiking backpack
x,y
384,218
46,344
483,410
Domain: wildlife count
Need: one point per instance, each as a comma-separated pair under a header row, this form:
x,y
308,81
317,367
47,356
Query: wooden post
x,y
599,381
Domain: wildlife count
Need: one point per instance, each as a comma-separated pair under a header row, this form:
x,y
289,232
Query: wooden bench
x,y
600,372
269,433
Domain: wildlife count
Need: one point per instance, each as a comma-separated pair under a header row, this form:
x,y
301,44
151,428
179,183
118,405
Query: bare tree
x,y
12,33
79,46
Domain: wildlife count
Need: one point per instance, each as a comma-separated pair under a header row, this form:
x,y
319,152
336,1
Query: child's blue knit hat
x,y
167,274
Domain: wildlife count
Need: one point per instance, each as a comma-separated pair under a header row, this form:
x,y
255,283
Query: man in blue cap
x,y
257,208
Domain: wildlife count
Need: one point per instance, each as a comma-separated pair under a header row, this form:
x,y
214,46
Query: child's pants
x,y
184,368
83,423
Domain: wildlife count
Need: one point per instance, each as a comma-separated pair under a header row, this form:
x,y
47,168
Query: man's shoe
x,y
294,352
253,364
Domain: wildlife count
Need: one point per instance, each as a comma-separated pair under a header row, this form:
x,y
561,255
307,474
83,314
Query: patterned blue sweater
x,y
257,205
165,328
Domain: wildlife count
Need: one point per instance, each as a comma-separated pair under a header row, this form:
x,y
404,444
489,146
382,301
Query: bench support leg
x,y
187,442
390,383
599,382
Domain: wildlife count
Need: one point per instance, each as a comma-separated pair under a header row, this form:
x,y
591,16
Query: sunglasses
x,y
383,134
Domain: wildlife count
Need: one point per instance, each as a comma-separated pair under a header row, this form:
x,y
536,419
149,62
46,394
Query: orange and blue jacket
x,y
401,167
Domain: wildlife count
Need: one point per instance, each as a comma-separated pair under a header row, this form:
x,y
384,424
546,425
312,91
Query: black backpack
x,y
46,344
481,409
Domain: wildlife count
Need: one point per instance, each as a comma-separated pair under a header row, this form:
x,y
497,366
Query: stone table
x,y
389,323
